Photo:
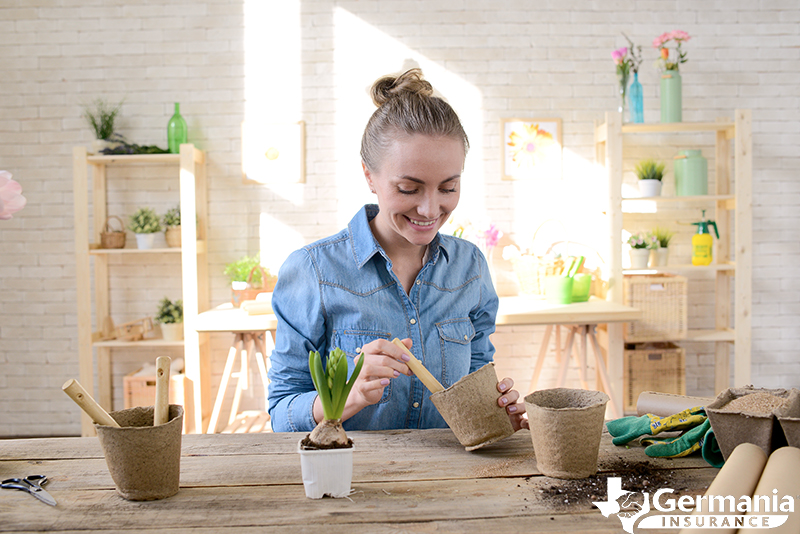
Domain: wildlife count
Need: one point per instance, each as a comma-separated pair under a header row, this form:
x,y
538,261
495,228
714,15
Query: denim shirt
x,y
341,292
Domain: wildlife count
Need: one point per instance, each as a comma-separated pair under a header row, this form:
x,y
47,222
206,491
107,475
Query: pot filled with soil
x,y
144,460
470,409
566,426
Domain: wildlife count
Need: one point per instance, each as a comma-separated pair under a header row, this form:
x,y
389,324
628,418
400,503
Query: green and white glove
x,y
629,428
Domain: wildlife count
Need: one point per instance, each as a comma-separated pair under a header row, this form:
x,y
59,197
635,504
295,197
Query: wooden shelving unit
x,y
732,267
190,172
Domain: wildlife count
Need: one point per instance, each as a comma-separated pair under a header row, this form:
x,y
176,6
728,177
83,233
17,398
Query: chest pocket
x,y
455,339
350,341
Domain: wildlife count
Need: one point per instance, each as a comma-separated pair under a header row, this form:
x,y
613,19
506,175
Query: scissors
x,y
33,485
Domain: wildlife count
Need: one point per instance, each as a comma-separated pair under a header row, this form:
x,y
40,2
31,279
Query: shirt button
x,y
466,337
413,321
418,282
415,405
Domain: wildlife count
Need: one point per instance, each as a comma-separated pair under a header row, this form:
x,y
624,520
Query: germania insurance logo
x,y
760,511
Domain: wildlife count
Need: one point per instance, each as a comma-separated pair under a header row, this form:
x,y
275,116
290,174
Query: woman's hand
x,y
508,399
383,361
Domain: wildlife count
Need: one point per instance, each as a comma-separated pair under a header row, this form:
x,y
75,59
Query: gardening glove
x,y
629,428
695,439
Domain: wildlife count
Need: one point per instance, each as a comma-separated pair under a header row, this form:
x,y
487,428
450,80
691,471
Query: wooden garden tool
x,y
76,392
422,373
161,410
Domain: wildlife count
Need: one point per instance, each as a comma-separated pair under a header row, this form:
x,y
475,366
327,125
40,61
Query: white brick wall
x,y
527,59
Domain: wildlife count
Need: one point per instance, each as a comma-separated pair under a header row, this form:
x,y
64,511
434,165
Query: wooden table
x,y
519,310
403,481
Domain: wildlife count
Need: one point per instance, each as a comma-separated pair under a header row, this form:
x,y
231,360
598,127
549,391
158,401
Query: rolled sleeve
x,y
301,327
483,319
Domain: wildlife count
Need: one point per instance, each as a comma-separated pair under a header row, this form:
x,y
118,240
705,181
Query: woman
x,y
390,274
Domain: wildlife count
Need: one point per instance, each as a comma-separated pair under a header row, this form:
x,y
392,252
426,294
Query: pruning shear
x,y
33,485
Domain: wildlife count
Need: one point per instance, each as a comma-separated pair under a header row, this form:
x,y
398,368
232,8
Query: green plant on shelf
x,y
100,115
643,240
144,221
239,270
663,235
172,217
650,169
169,312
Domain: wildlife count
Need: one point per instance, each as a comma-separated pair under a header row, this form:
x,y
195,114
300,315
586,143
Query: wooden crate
x,y
663,302
659,367
141,391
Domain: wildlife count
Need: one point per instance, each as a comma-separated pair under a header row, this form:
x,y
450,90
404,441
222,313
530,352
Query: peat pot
x,y
326,471
144,460
566,426
471,411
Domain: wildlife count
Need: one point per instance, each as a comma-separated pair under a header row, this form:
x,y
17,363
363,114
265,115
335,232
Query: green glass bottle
x,y
176,131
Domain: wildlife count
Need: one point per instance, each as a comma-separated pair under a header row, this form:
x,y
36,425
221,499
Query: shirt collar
x,y
365,246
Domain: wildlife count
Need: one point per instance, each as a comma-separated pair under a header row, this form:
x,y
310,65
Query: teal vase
x,y
671,96
176,131
636,100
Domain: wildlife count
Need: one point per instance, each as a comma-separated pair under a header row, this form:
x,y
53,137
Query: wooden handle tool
x,y
161,411
422,373
76,392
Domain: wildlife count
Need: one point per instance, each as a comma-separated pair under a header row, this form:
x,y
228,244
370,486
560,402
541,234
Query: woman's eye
x,y
407,191
454,190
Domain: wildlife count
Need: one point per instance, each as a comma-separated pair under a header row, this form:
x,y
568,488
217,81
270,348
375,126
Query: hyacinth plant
x,y
666,62
333,387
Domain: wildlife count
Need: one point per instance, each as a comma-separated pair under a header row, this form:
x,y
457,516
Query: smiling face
x,y
418,185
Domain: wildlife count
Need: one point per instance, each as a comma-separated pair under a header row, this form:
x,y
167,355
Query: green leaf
x,y
339,382
320,383
349,385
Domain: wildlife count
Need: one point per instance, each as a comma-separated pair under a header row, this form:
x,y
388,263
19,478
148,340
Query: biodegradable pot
x,y
650,188
734,427
145,241
566,426
144,460
172,331
326,471
789,418
173,236
471,411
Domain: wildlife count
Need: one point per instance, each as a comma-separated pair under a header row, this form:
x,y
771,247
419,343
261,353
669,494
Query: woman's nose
x,y
429,206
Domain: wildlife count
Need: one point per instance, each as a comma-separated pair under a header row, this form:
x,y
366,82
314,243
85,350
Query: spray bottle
x,y
702,242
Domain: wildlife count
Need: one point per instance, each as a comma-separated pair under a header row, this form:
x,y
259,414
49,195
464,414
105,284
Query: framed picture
x,y
273,152
531,148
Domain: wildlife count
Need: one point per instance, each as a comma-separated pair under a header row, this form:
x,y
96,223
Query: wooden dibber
x,y
161,411
76,392
422,373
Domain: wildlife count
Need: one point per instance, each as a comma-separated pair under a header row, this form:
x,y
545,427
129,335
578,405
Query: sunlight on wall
x,y
273,95
363,54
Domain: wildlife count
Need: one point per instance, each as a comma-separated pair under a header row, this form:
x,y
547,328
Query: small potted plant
x,y
650,173
641,244
100,116
172,225
170,317
248,278
144,223
660,255
326,454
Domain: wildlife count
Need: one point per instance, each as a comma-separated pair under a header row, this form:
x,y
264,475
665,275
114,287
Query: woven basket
x,y
663,301
652,367
110,238
250,293
531,272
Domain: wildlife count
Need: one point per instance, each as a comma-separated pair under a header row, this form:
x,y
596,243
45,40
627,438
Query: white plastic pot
x,y
145,241
326,472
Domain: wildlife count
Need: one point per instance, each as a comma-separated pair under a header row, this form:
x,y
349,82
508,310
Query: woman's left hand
x,y
508,400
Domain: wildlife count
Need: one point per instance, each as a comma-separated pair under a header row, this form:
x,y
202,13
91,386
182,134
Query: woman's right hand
x,y
383,361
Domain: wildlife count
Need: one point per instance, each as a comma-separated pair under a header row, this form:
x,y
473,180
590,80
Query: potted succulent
x,y
326,454
248,278
641,244
100,116
144,223
172,225
170,316
650,173
660,255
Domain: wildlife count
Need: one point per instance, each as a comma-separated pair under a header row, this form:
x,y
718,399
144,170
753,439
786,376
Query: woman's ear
x,y
368,176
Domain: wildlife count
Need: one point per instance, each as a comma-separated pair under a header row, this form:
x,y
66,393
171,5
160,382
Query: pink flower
x,y
11,199
619,54
679,35
492,236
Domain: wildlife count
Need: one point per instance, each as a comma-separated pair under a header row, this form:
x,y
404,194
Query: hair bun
x,y
410,82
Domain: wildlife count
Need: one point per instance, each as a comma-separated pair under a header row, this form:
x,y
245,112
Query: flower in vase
x,y
666,61
11,199
643,240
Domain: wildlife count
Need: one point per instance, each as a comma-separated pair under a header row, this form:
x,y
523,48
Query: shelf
x,y
201,247
711,335
124,159
680,127
686,267
646,204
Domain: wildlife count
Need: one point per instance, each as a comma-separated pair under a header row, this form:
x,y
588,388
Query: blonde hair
x,y
406,105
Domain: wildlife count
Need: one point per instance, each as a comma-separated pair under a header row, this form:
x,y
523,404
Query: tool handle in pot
x,y
76,392
422,373
161,411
